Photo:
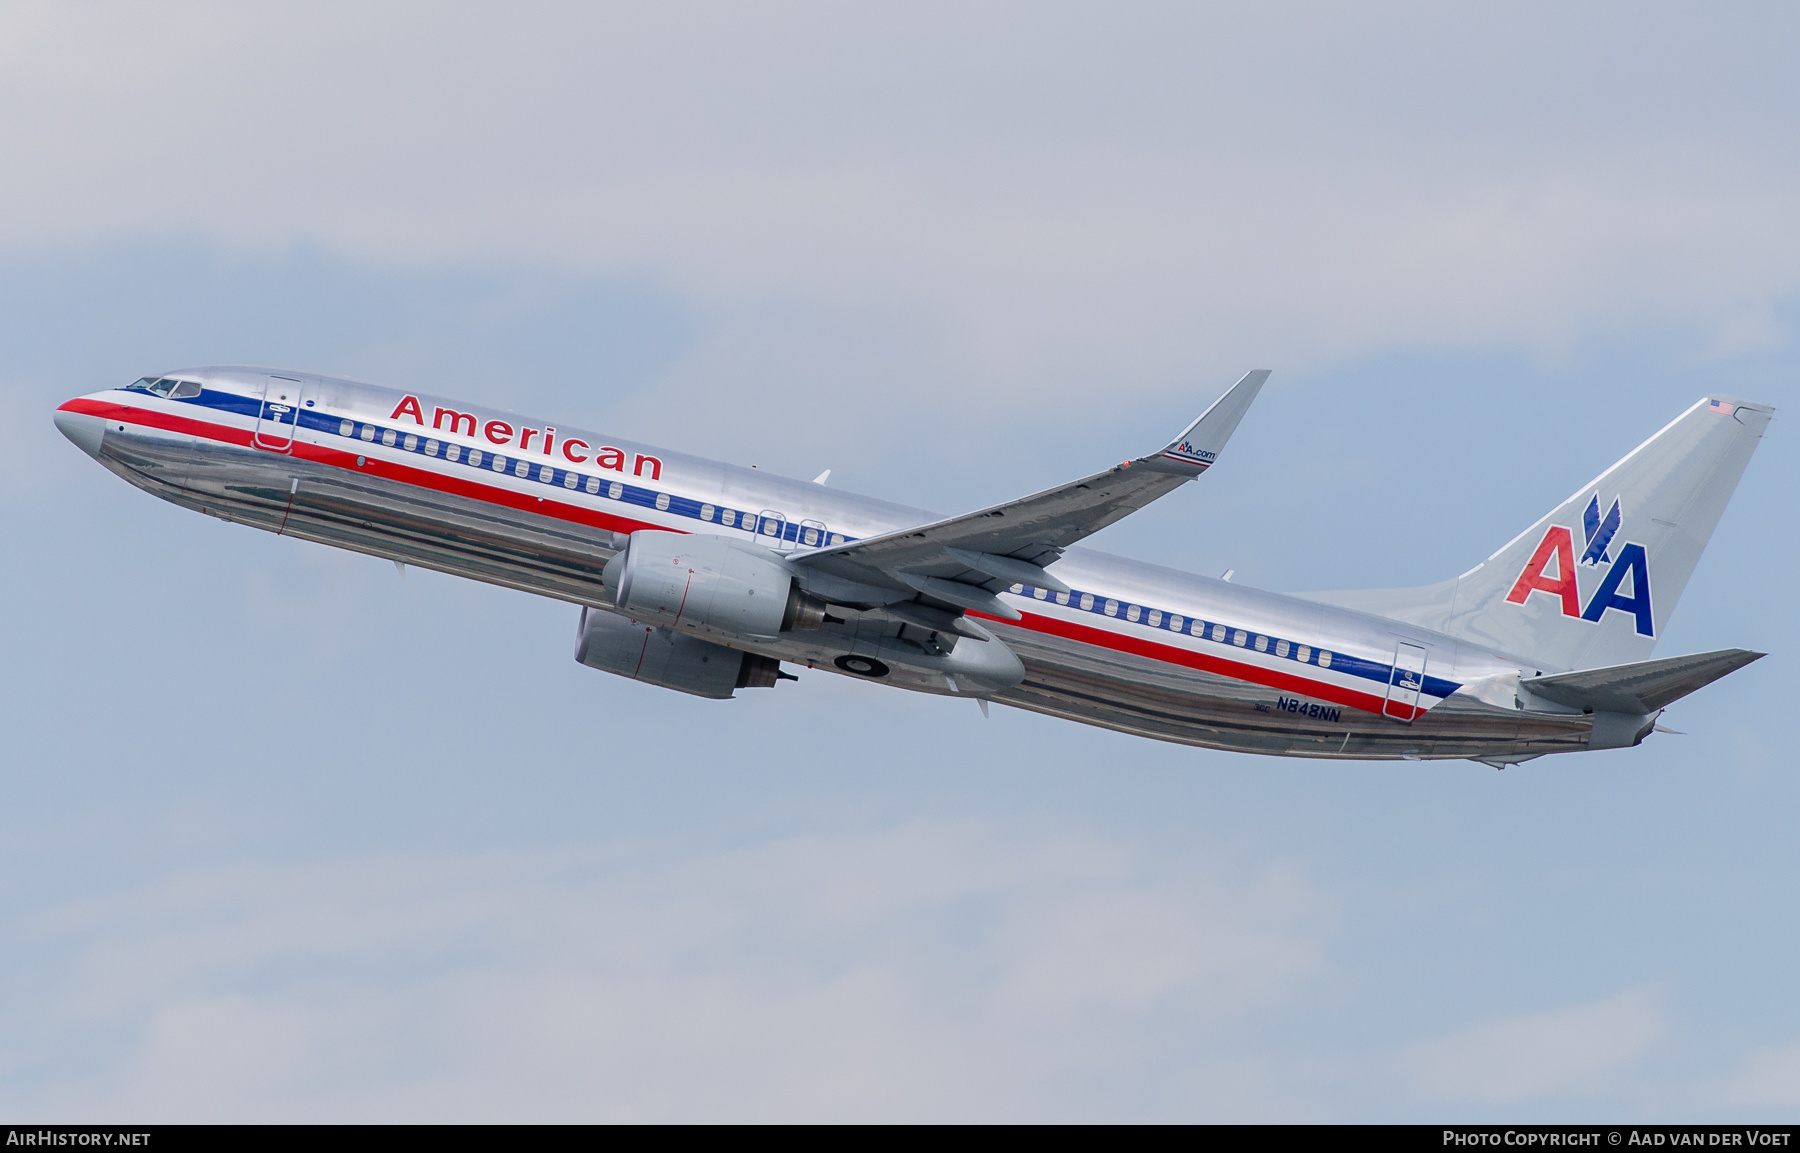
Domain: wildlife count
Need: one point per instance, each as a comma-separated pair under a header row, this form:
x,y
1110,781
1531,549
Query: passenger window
x,y
185,389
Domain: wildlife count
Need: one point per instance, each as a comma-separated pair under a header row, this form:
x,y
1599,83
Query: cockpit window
x,y
166,386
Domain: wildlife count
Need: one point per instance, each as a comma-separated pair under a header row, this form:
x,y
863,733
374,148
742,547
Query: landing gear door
x,y
1405,683
278,416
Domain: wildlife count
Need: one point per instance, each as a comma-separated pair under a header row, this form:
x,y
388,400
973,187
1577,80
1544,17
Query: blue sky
x,y
287,837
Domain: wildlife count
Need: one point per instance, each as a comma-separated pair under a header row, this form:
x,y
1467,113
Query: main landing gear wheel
x,y
861,666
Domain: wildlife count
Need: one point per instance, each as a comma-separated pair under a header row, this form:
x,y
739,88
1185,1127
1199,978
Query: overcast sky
x,y
283,836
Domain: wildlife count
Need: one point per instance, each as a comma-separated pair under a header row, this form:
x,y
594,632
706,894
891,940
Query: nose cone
x,y
83,430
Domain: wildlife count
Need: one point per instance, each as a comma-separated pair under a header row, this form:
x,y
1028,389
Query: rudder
x,y
1595,580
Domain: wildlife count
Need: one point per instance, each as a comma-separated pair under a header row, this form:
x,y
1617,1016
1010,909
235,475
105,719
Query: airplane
x,y
707,578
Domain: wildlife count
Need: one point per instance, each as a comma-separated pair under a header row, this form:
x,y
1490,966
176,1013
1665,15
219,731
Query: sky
x,y
286,836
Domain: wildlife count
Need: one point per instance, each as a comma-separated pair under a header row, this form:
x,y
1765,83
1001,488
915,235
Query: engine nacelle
x,y
708,585
671,660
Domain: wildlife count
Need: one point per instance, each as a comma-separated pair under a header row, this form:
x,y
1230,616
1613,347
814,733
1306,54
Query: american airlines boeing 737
x,y
706,578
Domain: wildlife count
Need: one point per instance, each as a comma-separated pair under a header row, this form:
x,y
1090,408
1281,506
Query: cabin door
x,y
772,530
278,416
1405,682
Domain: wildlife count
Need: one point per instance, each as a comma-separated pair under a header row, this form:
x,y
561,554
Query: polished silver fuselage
x,y
326,478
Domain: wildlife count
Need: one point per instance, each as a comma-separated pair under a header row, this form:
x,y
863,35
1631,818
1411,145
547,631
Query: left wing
x,y
964,560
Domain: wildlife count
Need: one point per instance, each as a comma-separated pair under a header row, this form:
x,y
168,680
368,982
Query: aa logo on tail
x,y
1558,546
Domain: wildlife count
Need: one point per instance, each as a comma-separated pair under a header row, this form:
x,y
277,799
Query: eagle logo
x,y
1600,531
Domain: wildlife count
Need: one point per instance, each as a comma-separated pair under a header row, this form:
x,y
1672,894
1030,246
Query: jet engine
x,y
708,585
666,658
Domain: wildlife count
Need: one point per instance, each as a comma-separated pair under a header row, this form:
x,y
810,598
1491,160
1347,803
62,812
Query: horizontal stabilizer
x,y
1643,687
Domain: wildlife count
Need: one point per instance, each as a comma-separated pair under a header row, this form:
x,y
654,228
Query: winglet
x,y
1201,444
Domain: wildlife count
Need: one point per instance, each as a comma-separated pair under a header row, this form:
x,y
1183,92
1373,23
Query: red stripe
x,y
386,470
1036,622
1171,654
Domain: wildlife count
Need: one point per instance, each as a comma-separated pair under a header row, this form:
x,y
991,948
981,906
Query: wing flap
x,y
965,596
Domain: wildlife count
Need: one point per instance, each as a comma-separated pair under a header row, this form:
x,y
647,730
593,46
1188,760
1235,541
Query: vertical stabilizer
x,y
1595,580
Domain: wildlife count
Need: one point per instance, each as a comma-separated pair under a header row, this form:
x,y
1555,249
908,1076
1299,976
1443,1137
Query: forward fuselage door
x,y
278,416
1405,683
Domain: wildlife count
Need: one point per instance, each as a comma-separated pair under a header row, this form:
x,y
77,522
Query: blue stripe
x,y
754,523
1202,630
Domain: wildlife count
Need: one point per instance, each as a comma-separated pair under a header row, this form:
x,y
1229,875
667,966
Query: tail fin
x,y
1594,581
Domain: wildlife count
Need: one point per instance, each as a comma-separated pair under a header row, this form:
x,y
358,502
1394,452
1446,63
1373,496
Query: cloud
x,y
1768,1077
1018,198
1538,1054
934,969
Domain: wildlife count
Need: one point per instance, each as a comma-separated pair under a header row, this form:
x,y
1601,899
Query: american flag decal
x,y
1722,407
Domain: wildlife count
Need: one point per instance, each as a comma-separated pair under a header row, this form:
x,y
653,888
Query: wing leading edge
x,y
962,561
